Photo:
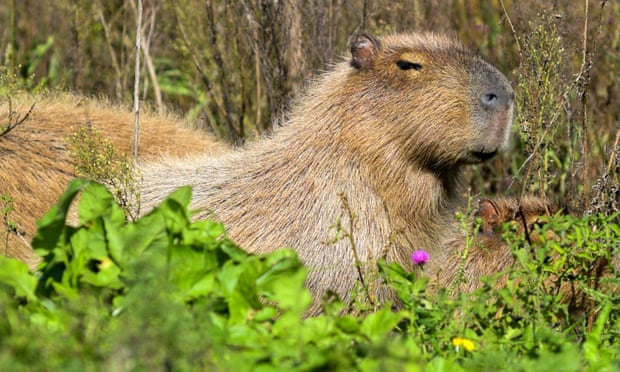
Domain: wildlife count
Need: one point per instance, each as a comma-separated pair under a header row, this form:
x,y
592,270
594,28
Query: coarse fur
x,y
35,161
383,135
488,253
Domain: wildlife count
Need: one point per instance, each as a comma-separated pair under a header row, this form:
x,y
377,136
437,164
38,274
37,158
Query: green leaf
x,y
16,275
50,227
591,349
348,324
440,364
131,241
107,275
380,323
97,202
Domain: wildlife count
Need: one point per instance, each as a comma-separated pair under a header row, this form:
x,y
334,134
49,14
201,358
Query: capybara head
x,y
521,213
458,106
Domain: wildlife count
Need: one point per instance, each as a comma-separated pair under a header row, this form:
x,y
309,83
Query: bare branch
x,y
149,62
136,88
14,119
117,69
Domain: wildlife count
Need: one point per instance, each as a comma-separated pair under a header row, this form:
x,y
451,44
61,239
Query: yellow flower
x,y
466,343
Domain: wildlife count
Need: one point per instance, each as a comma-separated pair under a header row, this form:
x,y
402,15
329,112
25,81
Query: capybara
x,y
35,164
522,213
383,137
488,253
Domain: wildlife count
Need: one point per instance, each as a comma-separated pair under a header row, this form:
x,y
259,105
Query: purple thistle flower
x,y
419,257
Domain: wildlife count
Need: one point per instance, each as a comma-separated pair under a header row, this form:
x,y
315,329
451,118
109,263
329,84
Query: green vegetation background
x,y
234,67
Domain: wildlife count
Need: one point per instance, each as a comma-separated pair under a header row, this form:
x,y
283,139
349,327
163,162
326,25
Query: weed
x,y
9,226
95,158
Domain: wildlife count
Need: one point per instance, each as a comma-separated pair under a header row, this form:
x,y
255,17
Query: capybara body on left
x,y
35,161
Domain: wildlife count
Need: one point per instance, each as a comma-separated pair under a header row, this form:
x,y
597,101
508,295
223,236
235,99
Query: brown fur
x,y
388,132
522,213
489,253
35,165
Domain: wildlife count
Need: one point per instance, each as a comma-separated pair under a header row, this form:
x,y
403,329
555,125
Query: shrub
x,y
165,292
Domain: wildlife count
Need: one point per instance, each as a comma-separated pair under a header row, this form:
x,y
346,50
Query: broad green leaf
x,y
51,226
348,324
591,348
97,202
16,275
107,275
380,323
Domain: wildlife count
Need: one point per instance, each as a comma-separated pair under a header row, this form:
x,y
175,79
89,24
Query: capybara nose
x,y
490,100
498,96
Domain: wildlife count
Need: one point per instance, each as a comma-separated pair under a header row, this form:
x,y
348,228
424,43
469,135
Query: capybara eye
x,y
406,65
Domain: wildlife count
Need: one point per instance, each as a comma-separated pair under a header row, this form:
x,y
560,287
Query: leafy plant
x,y
8,225
166,292
95,157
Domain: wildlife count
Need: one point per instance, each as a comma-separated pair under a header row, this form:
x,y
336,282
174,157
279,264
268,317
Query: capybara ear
x,y
364,49
489,213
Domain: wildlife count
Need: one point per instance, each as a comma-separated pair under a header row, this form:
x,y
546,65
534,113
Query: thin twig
x,y
259,93
204,77
223,80
614,151
148,61
9,56
136,87
358,262
512,27
584,73
584,79
14,121
526,230
117,68
364,16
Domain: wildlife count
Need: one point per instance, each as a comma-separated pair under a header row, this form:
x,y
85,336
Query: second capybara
x,y
488,253
382,137
35,161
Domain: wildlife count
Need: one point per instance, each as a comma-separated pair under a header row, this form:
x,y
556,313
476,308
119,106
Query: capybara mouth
x,y
484,155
